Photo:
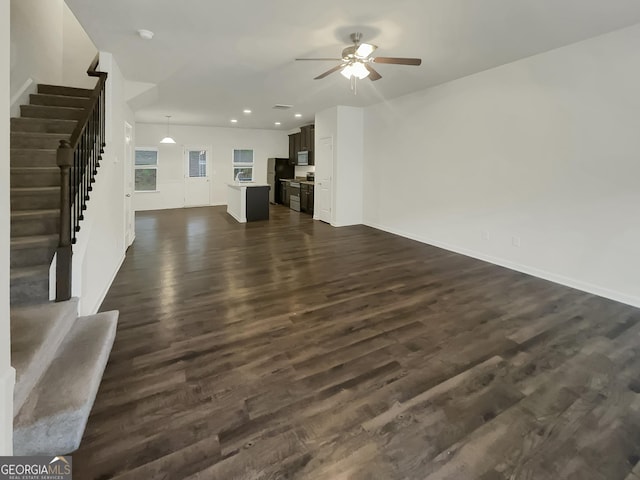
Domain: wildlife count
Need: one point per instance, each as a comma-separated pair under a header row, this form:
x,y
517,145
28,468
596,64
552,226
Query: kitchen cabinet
x,y
310,200
303,141
306,198
284,193
292,149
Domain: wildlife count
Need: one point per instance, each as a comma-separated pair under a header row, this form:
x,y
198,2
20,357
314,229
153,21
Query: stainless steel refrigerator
x,y
277,169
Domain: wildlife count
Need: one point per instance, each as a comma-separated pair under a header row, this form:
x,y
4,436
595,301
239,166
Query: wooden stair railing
x,y
78,159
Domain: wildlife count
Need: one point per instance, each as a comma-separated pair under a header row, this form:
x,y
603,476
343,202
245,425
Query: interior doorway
x,y
129,213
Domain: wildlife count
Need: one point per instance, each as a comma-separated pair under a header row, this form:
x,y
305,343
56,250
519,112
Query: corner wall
x,y
344,164
532,165
171,164
7,374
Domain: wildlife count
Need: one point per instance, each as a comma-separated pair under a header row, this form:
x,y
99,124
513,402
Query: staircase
x,y
59,357
59,360
51,116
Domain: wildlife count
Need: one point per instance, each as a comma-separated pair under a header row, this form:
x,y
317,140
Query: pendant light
x,y
168,138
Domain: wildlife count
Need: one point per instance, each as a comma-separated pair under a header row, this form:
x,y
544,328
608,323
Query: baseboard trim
x,y
7,384
21,97
529,270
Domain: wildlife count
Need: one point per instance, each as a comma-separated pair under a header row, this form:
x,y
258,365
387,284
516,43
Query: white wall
x,y
48,45
543,151
349,151
345,126
78,51
101,241
170,194
7,374
36,44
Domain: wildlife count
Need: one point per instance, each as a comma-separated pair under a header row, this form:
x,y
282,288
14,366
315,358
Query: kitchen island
x,y
248,201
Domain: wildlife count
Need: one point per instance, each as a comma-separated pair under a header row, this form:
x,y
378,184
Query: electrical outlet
x,y
485,235
515,241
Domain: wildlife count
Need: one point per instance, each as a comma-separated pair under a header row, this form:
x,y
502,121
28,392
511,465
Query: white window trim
x,y
154,167
251,165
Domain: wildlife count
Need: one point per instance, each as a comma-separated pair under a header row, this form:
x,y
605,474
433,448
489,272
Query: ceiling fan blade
x,y
365,49
373,75
329,72
318,59
397,61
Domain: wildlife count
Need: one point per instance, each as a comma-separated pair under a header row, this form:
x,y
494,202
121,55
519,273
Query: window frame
x,y
145,167
235,164
209,162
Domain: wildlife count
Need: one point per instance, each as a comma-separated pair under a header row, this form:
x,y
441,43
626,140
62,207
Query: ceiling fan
x,y
356,61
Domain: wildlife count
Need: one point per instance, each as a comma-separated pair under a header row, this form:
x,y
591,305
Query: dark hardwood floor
x,y
289,349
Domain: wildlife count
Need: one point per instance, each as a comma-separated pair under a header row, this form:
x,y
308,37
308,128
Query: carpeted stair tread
x,y
53,419
35,222
59,100
42,125
34,189
31,241
19,214
45,111
36,334
37,139
47,89
27,273
29,284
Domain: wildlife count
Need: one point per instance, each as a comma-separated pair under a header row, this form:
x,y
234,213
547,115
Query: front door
x,y
197,188
324,189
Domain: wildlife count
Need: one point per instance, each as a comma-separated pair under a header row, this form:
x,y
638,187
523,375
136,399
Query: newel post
x,y
64,251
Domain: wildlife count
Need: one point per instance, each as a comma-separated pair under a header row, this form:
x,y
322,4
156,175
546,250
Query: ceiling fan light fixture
x,y
355,69
364,50
168,138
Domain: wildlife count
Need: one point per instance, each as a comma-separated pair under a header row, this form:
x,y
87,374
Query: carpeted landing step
x,y
53,419
36,335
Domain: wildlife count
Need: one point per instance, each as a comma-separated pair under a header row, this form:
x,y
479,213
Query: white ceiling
x,y
210,59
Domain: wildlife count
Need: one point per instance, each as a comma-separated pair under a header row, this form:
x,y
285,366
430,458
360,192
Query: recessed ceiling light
x,y
278,123
298,115
246,110
145,34
233,120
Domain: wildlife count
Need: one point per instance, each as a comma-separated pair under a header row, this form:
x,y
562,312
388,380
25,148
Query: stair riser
x,y
69,91
33,159
29,292
42,125
35,226
37,111
24,141
36,179
35,201
30,257
59,101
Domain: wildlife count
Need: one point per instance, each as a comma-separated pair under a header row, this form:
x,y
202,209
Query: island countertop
x,y
246,184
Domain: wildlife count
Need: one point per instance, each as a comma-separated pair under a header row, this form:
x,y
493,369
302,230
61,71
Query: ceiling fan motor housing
x,y
349,52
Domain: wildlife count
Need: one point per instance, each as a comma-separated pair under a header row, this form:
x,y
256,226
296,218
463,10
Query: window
x,y
243,165
146,170
197,163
